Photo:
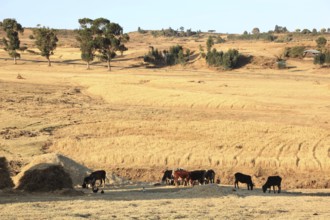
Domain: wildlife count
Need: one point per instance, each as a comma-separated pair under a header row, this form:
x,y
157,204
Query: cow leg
x,y
279,188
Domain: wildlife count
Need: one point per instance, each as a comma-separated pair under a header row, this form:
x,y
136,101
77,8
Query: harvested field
x,y
136,122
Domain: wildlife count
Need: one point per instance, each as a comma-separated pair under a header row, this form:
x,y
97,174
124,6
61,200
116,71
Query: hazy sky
x,y
225,16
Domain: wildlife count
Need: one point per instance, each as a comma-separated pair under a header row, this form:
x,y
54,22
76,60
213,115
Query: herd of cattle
x,y
184,177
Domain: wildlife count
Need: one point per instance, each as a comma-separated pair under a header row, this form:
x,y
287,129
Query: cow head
x,y
88,181
264,188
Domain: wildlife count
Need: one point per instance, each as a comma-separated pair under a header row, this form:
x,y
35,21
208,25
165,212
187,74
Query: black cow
x,y
91,179
197,175
240,177
209,176
168,177
272,181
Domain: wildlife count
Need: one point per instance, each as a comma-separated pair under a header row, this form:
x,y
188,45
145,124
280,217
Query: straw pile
x,y
48,179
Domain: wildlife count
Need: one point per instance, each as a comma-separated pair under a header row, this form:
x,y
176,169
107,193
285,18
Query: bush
x,y
228,60
322,58
175,55
294,52
319,59
321,42
246,36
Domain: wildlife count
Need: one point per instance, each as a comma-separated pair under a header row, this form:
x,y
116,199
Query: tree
x,y
321,42
209,43
123,39
12,44
255,31
86,39
323,30
188,53
110,39
46,41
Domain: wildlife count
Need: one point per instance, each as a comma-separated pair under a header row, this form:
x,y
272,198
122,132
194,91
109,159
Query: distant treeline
x,y
169,32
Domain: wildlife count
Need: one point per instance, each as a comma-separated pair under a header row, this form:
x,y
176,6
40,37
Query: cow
x,y
93,177
240,177
180,174
209,176
168,177
272,181
197,175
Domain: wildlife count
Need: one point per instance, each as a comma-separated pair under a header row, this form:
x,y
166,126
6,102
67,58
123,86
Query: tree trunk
x,y
109,66
49,64
88,65
15,62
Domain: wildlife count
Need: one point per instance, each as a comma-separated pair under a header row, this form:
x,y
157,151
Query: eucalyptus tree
x,y
46,41
109,40
12,42
85,36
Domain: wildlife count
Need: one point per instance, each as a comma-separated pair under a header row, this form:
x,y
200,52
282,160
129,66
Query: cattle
x,y
180,174
240,177
209,176
197,175
272,181
93,177
168,177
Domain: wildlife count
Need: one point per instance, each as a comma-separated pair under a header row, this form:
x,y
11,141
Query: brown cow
x,y
182,174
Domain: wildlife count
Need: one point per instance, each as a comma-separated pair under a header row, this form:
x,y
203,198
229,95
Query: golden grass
x,y
136,122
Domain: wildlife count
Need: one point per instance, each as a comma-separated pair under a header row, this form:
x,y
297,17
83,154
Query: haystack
x,y
45,180
76,171
5,180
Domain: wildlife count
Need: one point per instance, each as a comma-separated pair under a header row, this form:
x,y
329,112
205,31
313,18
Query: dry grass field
x,y
136,121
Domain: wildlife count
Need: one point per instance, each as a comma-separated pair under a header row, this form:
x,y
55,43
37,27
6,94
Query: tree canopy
x,y
12,42
102,36
46,41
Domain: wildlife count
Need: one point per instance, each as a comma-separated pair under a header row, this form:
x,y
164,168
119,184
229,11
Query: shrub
x,y
220,40
228,60
294,52
246,36
321,42
175,55
322,58
319,59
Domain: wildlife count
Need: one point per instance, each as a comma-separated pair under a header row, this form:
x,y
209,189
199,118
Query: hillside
x,y
137,121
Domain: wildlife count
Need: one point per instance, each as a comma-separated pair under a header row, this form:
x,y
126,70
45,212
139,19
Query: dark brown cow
x,y
183,175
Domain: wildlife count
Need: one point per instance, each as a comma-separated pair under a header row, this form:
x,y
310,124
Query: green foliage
x,y
322,58
209,43
228,60
321,42
170,32
246,36
102,36
12,42
319,59
175,55
280,29
294,52
85,36
46,41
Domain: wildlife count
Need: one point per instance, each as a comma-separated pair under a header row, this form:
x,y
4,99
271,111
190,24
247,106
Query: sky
x,y
224,16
